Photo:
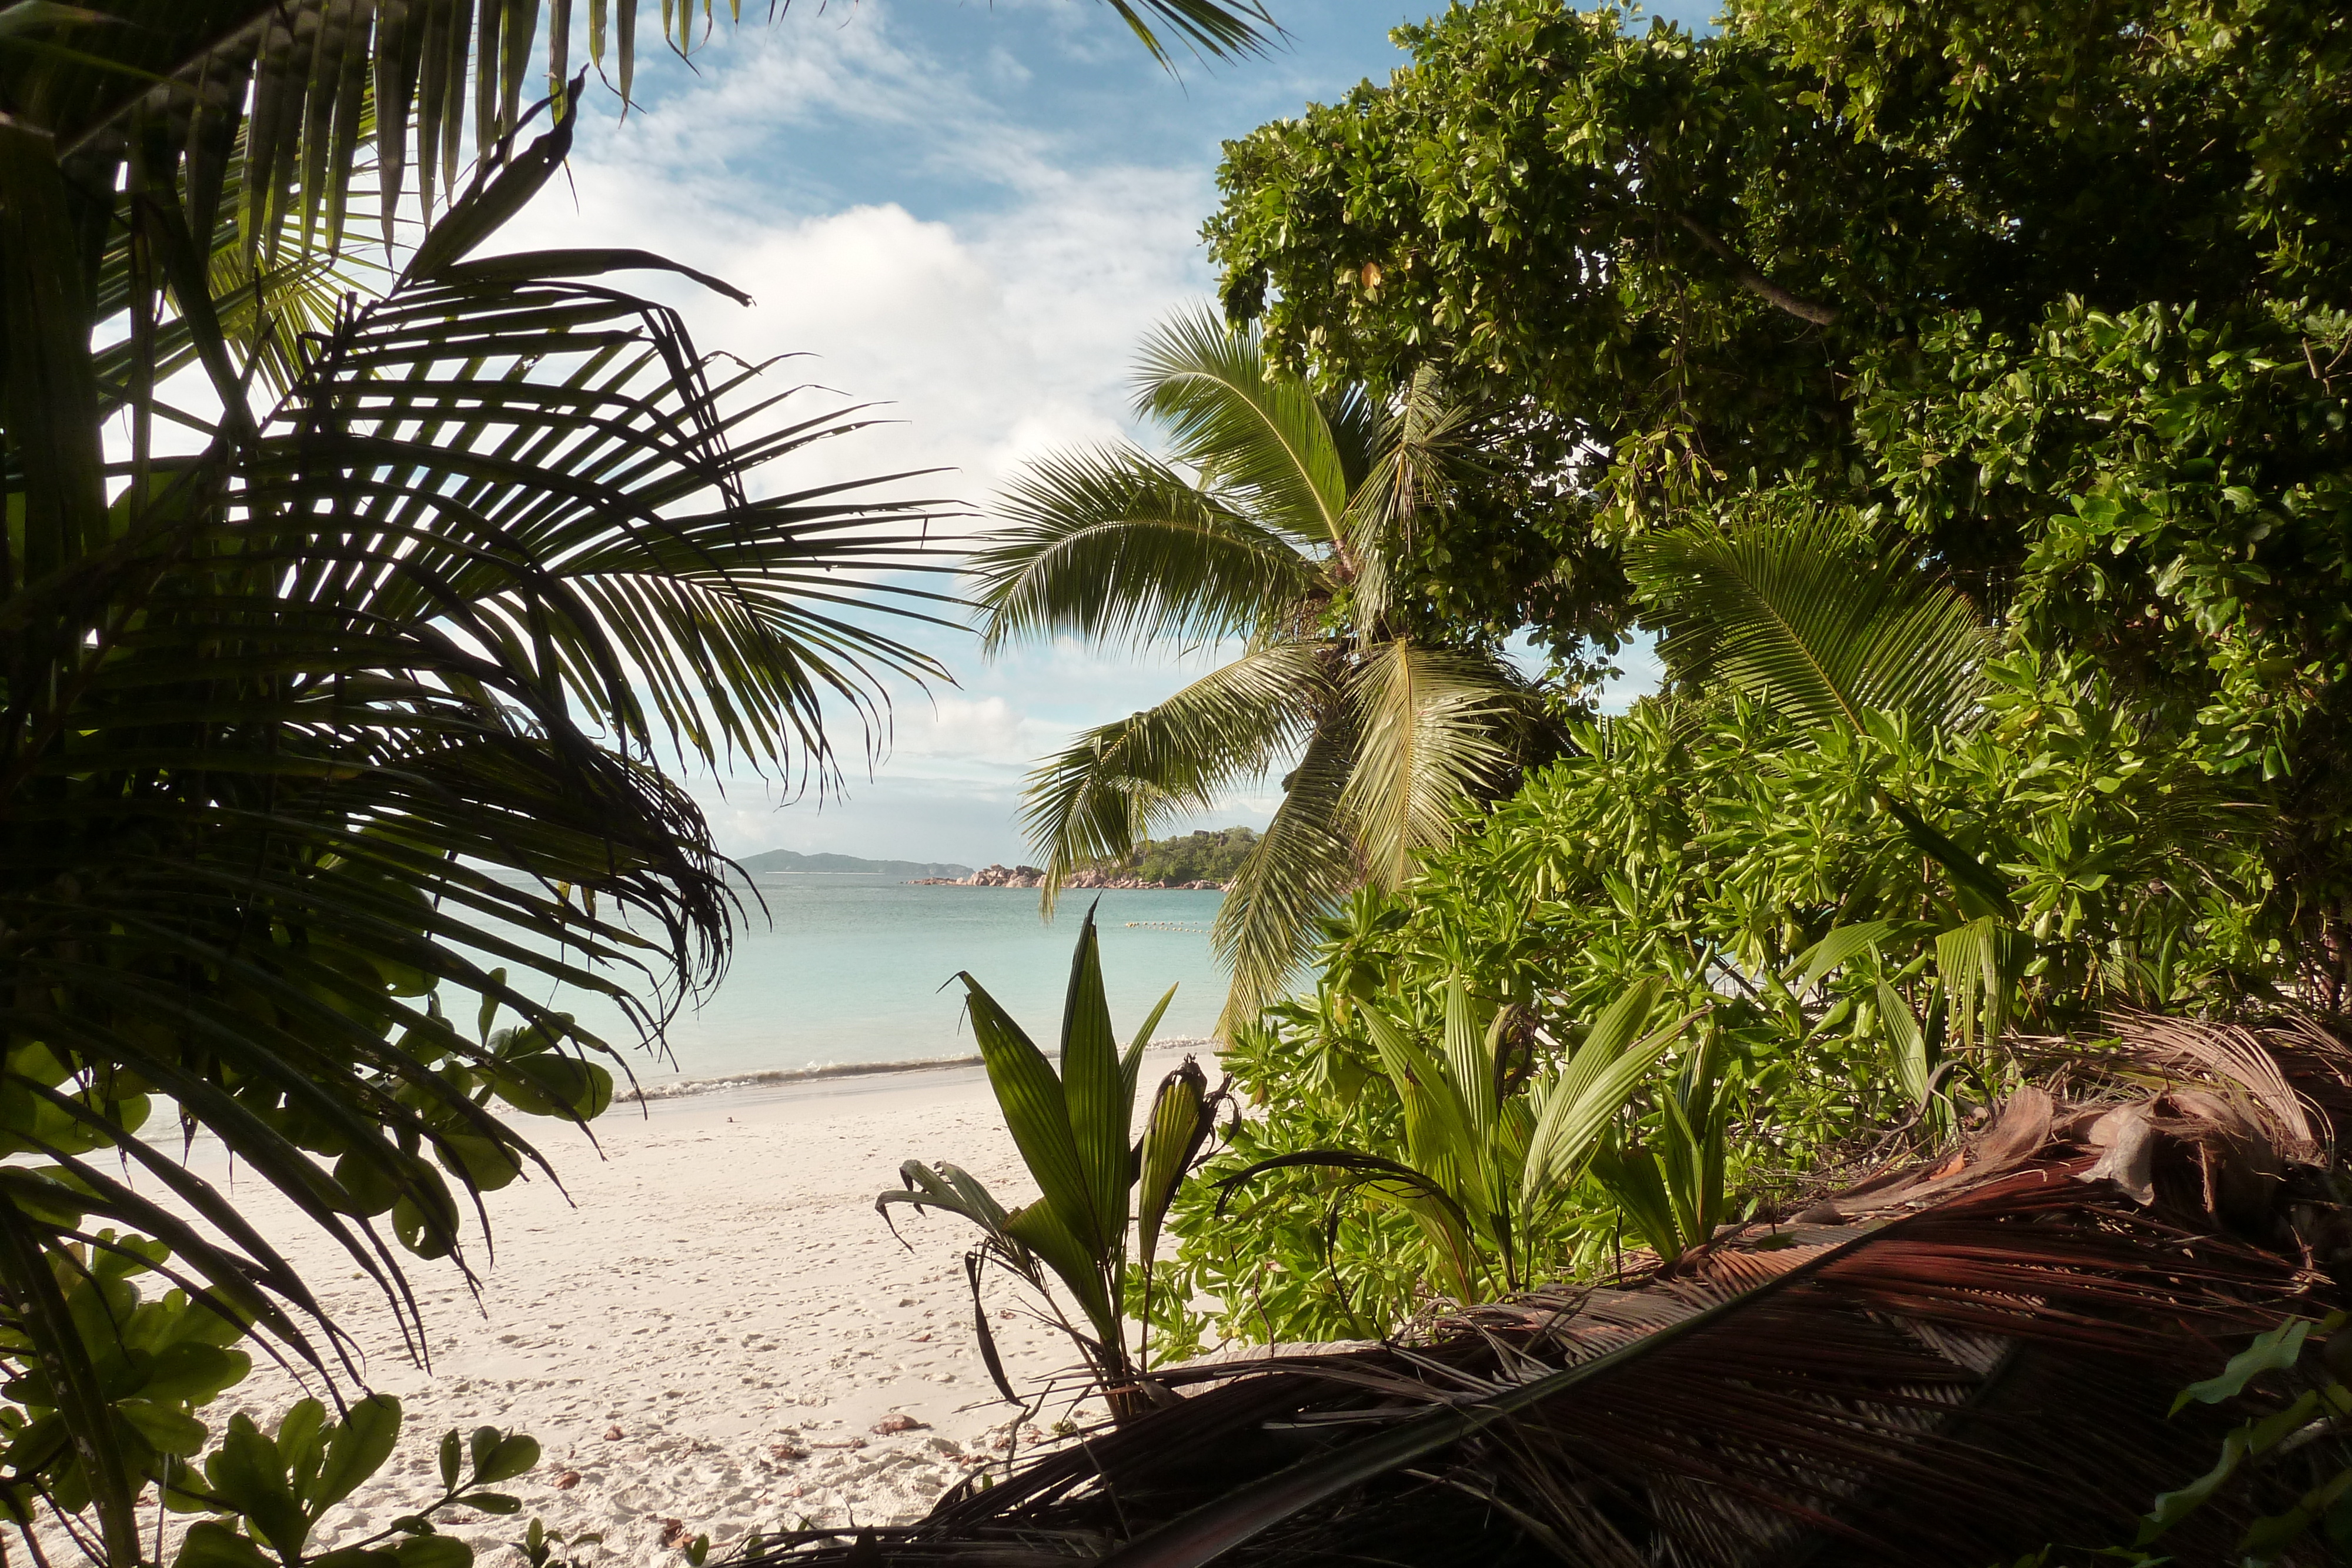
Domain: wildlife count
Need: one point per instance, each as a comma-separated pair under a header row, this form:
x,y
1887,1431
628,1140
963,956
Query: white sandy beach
x,y
715,1332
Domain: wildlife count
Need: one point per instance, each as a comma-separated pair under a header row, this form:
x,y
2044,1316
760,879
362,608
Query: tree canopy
x,y
2054,296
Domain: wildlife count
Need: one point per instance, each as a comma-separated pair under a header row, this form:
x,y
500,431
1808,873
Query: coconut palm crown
x,y
1274,519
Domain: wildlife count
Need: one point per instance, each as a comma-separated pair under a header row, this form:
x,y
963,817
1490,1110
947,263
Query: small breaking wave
x,y
770,1078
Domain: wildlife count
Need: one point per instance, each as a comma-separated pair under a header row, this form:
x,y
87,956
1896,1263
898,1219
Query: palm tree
x,y
1276,520
363,703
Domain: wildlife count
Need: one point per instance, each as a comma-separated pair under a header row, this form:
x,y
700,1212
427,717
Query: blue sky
x,y
971,212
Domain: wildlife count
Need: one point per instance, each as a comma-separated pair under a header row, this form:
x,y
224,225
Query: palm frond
x,y
1304,864
314,85
1962,1360
1255,433
1805,614
1429,726
1114,545
1104,794
1416,459
1220,32
359,706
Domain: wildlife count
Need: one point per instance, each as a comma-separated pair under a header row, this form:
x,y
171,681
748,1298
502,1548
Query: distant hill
x,y
790,860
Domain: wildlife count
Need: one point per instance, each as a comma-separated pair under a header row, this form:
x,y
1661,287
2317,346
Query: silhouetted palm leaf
x,y
359,705
311,85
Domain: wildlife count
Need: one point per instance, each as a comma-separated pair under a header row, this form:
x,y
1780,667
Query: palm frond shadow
x,y
1965,1358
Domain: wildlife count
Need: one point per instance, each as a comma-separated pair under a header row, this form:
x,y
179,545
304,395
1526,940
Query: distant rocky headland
x,y
1085,877
788,859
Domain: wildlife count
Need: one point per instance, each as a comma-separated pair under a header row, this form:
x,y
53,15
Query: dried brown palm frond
x,y
1962,1359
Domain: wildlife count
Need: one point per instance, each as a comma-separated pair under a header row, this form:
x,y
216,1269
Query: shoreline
x,y
704,1322
788,1077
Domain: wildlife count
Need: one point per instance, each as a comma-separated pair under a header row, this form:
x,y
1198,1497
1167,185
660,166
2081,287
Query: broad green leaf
x,y
356,1449
1440,1137
434,1552
512,1454
1578,1102
170,1428
1095,1092
1031,1097
212,1544
1906,1044
1039,1227
246,1472
1177,1126
2275,1351
1842,946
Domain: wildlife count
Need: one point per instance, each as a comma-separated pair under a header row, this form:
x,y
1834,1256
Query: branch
x,y
1753,281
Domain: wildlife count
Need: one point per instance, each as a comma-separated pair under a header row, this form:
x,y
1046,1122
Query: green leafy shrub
x,y
1770,875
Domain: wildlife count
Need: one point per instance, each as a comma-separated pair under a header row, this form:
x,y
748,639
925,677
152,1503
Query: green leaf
x,y
356,1449
212,1544
1094,1093
451,1456
1914,1063
1039,1228
246,1472
1179,1124
1842,946
1031,1098
511,1456
2275,1351
434,1552
170,1428
1575,1105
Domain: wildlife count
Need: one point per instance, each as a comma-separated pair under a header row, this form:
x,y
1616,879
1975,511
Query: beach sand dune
x,y
708,1330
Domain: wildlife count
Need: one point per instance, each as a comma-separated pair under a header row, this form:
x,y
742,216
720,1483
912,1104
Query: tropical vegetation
x,y
1989,513
1205,854
1073,1127
353,612
1274,519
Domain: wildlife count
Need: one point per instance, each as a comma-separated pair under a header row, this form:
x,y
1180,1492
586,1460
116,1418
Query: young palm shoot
x,y
1481,1160
1073,1129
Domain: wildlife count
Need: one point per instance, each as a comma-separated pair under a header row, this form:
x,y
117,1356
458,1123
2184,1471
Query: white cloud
x,y
988,337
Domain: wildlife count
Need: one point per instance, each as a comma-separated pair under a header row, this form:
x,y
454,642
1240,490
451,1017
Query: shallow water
x,y
844,969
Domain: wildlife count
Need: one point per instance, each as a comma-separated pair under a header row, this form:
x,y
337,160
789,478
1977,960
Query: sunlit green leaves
x,y
1282,534
1074,1130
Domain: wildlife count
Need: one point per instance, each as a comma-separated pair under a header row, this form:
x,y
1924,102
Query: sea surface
x,y
846,970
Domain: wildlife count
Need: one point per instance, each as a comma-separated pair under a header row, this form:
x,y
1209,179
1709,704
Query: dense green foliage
x,y
1205,854
1960,393
1717,848
2056,293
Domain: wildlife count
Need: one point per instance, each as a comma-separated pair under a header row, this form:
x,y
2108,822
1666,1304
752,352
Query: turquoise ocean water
x,y
844,970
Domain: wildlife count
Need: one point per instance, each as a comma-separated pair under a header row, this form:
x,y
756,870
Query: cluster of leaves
x,y
2183,489
2293,1454
1202,855
269,1492
1096,1177
1773,877
2052,295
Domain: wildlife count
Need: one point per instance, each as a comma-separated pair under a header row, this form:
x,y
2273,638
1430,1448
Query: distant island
x,y
1201,861
792,860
